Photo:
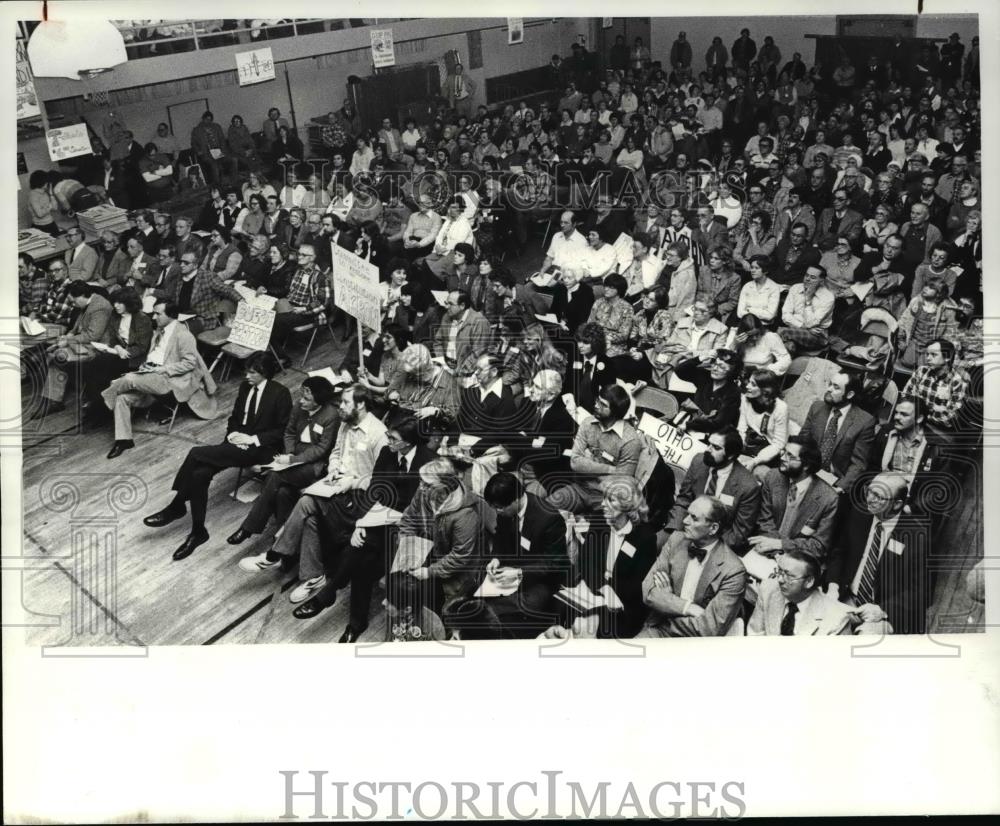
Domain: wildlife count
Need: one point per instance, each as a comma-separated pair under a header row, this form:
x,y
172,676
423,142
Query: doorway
x,y
183,117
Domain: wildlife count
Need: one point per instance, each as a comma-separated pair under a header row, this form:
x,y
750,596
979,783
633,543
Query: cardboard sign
x,y
383,49
27,100
252,326
68,142
675,446
356,288
255,67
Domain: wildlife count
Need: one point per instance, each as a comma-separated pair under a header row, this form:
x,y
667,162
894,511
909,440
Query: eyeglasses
x,y
782,575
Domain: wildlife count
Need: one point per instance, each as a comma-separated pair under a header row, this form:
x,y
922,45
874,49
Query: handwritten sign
x,y
27,100
383,49
68,142
356,288
252,326
515,30
255,67
675,446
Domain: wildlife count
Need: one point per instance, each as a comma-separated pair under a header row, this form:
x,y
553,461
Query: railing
x,y
152,38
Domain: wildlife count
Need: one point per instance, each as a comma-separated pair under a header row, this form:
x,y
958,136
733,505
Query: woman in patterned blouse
x,y
614,315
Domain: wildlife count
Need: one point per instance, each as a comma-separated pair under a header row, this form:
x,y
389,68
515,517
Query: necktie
x,y
791,511
788,621
401,461
829,438
764,421
697,553
251,408
866,588
713,481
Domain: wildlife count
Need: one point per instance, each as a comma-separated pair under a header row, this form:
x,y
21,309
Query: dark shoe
x,y
120,447
308,610
192,542
164,517
350,635
241,535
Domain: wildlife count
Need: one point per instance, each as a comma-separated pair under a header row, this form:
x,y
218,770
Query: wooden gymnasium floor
x,y
206,599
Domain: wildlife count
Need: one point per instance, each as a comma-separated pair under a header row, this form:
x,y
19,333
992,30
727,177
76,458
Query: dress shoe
x,y
304,590
163,517
120,447
308,610
260,562
192,542
240,535
350,635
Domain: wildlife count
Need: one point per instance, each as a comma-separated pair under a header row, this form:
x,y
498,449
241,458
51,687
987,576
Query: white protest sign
x,y
255,67
356,289
252,326
251,297
68,142
675,446
383,50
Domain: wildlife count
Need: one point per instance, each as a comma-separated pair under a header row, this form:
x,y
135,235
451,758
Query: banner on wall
x,y
68,142
515,30
607,22
255,67
27,100
383,50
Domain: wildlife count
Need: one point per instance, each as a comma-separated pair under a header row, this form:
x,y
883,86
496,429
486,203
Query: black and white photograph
x,y
371,363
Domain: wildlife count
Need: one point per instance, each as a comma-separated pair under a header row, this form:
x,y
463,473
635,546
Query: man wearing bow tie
x,y
695,588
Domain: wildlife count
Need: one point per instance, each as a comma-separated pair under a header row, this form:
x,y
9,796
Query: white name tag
x,y
726,499
577,365
526,543
895,546
808,531
628,549
607,456
319,429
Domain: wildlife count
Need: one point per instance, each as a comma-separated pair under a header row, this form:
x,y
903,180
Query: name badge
x,y
319,429
726,499
807,530
525,543
577,365
607,456
895,546
628,549
362,445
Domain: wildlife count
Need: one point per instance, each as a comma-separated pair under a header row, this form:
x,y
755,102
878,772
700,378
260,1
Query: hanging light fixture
x,y
75,48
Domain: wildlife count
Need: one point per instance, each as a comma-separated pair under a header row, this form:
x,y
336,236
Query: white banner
x,y
252,326
383,50
68,142
675,446
255,67
355,288
27,100
515,30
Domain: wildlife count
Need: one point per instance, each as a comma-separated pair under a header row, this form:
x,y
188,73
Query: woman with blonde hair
x,y
424,389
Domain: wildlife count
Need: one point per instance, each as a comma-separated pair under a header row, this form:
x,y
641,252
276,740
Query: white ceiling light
x,y
71,48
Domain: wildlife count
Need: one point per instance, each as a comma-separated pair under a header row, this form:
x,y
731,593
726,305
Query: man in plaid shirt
x,y
308,295
57,307
939,387
32,284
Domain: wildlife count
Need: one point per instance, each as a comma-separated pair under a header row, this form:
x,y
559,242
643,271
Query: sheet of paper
x,y
32,327
580,596
543,279
489,588
611,598
676,385
185,316
378,517
280,466
758,565
548,318
322,489
827,477
330,375
465,440
440,296
861,289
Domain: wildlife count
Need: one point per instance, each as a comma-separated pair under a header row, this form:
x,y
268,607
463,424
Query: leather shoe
x,y
308,610
120,447
240,535
350,635
163,517
192,542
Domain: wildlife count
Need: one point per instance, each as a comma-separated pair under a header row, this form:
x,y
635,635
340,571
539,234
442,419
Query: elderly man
x,y
56,306
74,347
696,586
807,313
919,236
939,386
80,257
112,263
838,221
308,297
463,336
197,292
568,247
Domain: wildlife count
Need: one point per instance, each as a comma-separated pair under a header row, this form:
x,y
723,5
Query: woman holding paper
x,y
425,389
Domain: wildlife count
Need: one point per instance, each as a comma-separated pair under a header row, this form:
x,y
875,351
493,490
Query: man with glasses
x,y
186,240
796,211
168,275
938,386
464,336
145,231
422,229
308,297
80,257
755,204
937,207
857,198
198,292
838,221
807,313
112,263
791,603
163,227
57,306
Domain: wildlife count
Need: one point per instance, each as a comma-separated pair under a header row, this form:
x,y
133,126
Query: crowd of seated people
x,y
487,451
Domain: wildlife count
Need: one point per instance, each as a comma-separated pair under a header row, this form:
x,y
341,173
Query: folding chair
x,y
314,328
240,481
170,403
659,401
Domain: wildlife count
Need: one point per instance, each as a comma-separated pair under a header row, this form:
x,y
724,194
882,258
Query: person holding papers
x,y
424,389
335,501
487,408
308,440
308,296
695,587
568,248
253,436
358,554
172,367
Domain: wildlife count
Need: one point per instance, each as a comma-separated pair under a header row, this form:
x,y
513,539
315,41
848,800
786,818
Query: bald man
x,y
879,567
568,247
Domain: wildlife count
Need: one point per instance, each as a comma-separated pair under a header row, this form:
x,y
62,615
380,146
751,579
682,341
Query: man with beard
x,y
791,603
718,473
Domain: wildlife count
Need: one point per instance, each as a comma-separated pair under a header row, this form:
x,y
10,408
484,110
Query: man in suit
x,y
459,90
880,566
695,588
791,603
838,221
254,434
797,509
529,551
173,366
464,336
537,452
141,269
843,431
169,273
76,346
197,292
591,371
361,560
718,473
80,257
112,263
709,233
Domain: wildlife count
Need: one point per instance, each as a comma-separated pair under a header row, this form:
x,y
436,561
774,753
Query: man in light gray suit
x,y
80,257
695,588
791,602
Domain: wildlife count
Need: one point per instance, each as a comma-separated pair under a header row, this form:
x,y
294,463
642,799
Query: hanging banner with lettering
x,y
68,142
515,30
676,446
383,50
255,67
356,288
27,100
252,326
